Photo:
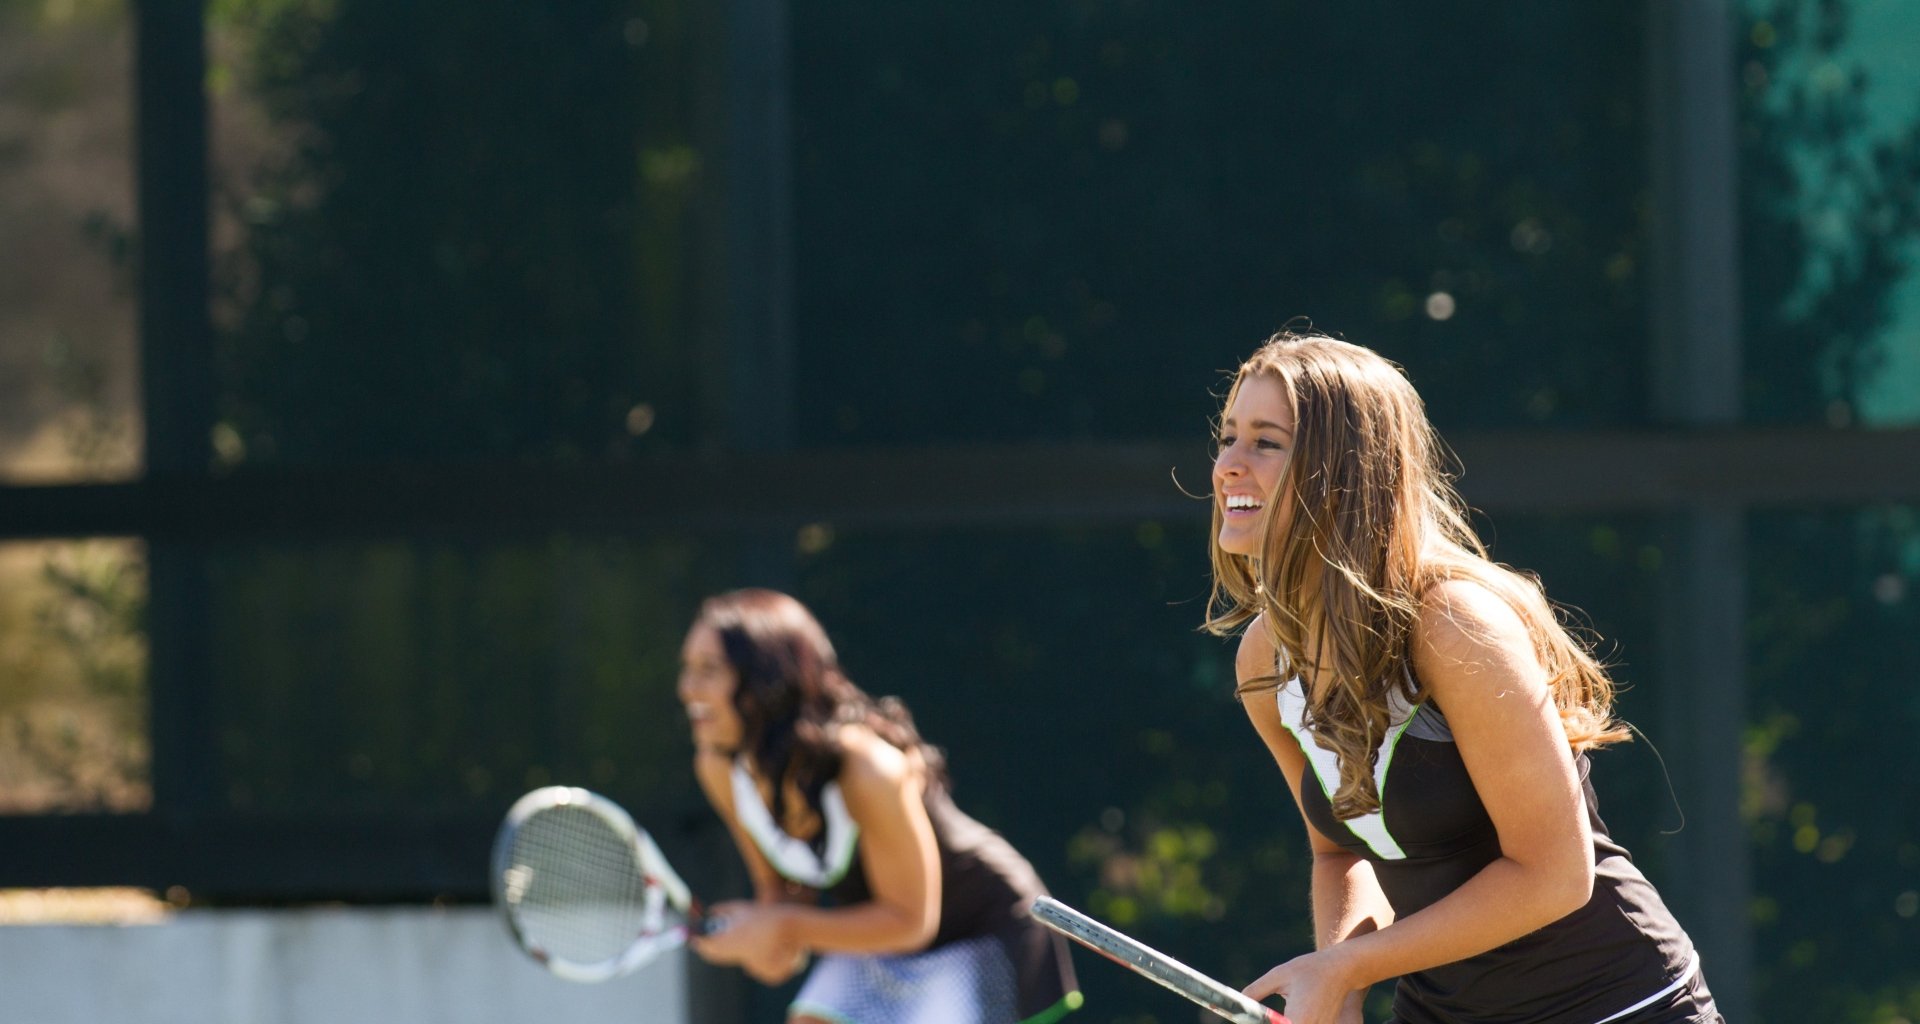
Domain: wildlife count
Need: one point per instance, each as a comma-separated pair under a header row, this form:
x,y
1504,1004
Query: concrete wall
x,y
360,965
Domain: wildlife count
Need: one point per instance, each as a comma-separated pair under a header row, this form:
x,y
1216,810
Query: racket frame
x,y
663,885
1148,962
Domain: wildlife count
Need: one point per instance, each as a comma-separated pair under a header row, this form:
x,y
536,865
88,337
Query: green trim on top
x,y
839,871
839,831
1386,762
1303,737
1370,829
1067,1004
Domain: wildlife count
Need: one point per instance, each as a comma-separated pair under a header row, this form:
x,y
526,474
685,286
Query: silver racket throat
x,y
1144,959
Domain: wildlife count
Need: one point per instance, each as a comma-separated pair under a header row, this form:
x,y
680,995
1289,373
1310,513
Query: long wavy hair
x,y
1373,520
792,694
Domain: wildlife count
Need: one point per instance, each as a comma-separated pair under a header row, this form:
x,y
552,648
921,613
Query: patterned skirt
x,y
971,981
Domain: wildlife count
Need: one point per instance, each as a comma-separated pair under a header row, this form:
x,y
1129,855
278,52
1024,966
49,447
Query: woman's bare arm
x,y
1477,660
1347,900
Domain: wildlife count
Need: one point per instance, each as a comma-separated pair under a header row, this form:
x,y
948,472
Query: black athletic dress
x,y
1621,959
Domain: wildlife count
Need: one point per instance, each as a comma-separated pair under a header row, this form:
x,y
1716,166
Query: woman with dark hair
x,y
829,792
1432,717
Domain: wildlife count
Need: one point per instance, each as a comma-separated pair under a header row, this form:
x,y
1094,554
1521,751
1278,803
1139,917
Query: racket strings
x,y
576,888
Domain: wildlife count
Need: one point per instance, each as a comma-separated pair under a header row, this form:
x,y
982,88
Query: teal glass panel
x,y
1830,221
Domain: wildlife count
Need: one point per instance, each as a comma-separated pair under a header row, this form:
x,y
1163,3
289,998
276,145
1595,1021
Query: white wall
x,y
358,965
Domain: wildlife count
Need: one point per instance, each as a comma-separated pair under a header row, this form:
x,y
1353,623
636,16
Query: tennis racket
x,y
586,892
1144,959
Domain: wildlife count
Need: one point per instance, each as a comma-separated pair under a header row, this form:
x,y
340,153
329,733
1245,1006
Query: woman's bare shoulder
x,y
867,758
714,771
1255,656
1467,636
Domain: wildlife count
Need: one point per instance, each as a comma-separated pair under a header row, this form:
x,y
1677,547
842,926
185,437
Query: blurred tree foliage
x,y
1831,215
73,734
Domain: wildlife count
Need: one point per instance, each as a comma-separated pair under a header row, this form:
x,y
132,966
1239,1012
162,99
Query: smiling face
x,y
1256,440
707,683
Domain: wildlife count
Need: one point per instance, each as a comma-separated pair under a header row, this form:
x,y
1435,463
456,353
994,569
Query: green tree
x,y
1830,216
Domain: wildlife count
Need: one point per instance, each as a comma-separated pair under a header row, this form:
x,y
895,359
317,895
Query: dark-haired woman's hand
x,y
754,937
777,966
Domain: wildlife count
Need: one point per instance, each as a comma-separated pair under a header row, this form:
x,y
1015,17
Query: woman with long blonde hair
x,y
1431,714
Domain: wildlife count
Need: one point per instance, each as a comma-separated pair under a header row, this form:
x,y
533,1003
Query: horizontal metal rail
x,y
918,488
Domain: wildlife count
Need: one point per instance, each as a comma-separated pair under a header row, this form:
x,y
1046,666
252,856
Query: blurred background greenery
x,y
450,243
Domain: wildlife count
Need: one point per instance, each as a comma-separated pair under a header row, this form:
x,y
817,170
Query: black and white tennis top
x,y
986,886
1621,958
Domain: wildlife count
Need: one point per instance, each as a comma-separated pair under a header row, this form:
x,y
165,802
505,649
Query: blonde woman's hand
x,y
1315,988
